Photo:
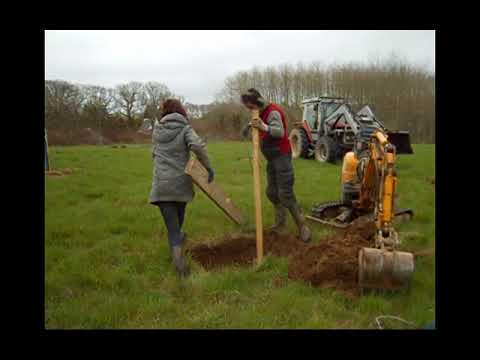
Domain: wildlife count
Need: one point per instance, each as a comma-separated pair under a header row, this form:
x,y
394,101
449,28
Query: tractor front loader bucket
x,y
401,140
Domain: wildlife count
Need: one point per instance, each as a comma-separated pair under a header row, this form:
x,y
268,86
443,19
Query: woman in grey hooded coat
x,y
173,139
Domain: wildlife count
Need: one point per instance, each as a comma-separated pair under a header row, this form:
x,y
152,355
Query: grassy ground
x,y
106,253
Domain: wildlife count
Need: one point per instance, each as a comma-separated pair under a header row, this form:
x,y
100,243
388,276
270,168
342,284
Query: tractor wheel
x,y
326,150
299,141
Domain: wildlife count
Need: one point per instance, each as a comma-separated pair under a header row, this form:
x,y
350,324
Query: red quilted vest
x,y
283,144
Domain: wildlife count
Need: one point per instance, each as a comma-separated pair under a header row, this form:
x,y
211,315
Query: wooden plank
x,y
257,188
200,177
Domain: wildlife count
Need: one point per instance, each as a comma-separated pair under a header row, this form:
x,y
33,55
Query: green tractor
x,y
329,127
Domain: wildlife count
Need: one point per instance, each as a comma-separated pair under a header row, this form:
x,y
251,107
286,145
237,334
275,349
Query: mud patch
x,y
58,172
332,263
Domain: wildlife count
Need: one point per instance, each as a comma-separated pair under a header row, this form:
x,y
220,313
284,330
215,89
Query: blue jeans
x,y
173,213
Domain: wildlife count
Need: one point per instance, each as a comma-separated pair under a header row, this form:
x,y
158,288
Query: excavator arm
x,y
378,185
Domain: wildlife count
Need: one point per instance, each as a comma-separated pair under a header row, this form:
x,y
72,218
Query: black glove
x,y
211,175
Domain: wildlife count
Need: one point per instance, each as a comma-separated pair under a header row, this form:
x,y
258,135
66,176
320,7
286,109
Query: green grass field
x,y
106,252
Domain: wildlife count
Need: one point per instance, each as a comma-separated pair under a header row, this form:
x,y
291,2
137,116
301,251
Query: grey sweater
x,y
172,140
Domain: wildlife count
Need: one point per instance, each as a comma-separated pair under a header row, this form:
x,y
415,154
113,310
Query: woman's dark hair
x,y
171,106
252,96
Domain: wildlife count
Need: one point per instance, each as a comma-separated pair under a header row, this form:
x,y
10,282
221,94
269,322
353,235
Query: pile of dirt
x,y
58,172
332,263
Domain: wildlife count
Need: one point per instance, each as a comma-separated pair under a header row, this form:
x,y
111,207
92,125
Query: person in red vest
x,y
275,147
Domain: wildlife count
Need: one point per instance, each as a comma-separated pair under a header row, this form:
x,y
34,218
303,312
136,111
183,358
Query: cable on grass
x,y
380,325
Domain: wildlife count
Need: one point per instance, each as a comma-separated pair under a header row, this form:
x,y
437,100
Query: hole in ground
x,y
241,250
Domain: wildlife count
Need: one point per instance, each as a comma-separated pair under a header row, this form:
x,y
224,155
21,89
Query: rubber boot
x,y
280,218
303,229
179,262
183,242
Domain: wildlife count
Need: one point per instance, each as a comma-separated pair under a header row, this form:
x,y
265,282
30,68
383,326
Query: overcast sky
x,y
195,63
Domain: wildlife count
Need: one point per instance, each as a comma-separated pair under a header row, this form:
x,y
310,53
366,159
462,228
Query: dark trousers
x,y
280,178
173,213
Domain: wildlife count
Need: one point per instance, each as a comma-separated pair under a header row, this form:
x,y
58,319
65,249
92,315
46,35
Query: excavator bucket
x,y
401,140
384,269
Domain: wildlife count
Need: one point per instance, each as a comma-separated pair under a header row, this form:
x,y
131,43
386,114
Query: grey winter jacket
x,y
172,140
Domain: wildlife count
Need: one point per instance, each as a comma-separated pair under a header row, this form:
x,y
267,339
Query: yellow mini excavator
x,y
368,191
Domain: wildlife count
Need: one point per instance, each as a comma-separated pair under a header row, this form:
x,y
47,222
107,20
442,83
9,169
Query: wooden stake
x,y
256,189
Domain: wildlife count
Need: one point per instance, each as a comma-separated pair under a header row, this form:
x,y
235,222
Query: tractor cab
x,y
316,110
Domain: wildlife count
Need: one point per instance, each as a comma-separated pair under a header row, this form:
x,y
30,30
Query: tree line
x,y
402,94
69,107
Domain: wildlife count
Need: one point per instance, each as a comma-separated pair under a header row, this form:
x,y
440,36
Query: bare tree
x,y
127,99
62,104
97,106
153,95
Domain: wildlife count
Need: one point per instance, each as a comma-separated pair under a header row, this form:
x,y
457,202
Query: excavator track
x,y
327,214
